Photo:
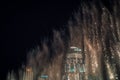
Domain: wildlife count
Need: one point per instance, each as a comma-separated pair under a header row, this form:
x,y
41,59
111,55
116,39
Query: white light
x,y
73,47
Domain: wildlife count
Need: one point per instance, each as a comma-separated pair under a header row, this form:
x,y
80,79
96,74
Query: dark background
x,y
26,23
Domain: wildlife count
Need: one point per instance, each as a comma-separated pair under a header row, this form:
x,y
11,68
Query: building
x,y
74,68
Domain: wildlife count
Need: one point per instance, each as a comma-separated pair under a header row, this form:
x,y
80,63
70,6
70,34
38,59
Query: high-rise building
x,y
74,67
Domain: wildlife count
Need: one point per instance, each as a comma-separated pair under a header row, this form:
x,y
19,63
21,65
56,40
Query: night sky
x,y
25,23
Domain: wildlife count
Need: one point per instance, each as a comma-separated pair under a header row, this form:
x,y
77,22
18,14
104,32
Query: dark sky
x,y
25,23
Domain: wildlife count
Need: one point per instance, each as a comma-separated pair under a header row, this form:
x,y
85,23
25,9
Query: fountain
x,y
96,30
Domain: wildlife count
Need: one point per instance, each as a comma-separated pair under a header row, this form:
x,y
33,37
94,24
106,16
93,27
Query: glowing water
x,y
96,31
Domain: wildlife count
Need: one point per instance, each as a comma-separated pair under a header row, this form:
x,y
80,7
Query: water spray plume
x,y
96,31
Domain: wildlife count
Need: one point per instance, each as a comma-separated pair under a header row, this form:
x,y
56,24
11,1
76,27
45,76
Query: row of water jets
x,y
96,30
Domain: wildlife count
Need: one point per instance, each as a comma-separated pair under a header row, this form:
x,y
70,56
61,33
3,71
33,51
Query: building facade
x,y
74,68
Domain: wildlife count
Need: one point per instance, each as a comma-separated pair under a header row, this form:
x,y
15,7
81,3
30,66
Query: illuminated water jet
x,y
95,32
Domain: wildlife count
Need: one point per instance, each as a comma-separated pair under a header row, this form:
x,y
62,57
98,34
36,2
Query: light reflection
x,y
110,72
94,32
